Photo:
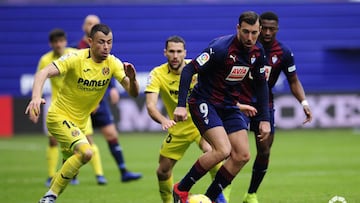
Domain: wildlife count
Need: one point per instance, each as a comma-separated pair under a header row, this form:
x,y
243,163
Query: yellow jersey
x,y
164,82
84,84
46,59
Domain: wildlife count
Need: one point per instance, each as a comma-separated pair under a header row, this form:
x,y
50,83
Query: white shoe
x,y
48,199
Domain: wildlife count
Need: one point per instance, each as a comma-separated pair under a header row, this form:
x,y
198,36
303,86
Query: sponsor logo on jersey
x,y
174,92
93,83
203,58
237,73
65,56
291,68
232,57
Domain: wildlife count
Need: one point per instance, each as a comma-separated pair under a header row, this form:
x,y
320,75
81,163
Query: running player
x,y
102,117
164,81
58,43
87,74
279,59
221,68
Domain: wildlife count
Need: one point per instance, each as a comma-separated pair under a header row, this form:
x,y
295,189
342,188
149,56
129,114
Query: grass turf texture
x,y
308,166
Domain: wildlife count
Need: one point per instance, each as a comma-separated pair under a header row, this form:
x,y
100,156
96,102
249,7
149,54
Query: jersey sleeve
x,y
41,64
119,72
205,60
65,62
289,67
153,83
262,90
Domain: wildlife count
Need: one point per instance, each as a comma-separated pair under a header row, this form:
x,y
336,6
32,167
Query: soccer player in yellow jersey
x,y
164,81
86,75
58,43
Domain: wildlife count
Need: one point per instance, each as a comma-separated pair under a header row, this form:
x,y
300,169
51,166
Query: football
x,y
198,198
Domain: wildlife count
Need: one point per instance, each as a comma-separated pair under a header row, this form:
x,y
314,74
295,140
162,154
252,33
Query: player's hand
x,y
247,109
130,71
180,114
308,114
167,124
33,109
265,130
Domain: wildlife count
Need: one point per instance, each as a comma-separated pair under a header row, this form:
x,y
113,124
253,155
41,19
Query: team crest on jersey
x,y
253,59
75,133
203,58
274,59
106,71
237,73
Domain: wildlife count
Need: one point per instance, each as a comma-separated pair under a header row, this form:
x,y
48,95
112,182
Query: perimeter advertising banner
x,y
329,111
335,110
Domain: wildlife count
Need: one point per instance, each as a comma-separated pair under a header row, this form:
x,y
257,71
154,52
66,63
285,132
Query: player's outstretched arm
x,y
154,113
33,108
298,91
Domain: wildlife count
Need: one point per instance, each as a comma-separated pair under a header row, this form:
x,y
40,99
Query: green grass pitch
x,y
307,166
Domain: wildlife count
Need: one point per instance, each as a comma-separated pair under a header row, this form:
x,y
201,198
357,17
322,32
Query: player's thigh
x,y
204,115
255,121
240,143
67,134
174,146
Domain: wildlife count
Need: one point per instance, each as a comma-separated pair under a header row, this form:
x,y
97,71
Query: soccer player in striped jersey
x,y
221,68
102,117
164,80
279,59
58,43
87,74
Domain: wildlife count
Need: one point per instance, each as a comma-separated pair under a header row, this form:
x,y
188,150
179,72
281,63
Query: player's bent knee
x,y
86,152
241,157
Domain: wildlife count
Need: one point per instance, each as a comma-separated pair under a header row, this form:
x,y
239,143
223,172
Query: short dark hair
x,y
269,15
176,39
56,33
100,28
250,17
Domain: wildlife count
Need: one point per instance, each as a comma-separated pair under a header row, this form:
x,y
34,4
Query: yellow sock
x,y
52,157
165,189
96,160
214,170
68,170
226,192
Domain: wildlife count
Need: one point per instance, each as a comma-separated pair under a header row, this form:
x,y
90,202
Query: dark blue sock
x,y
195,173
222,179
259,170
116,152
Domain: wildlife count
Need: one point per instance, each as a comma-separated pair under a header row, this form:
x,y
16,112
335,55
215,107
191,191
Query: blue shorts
x,y
207,116
102,116
254,122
